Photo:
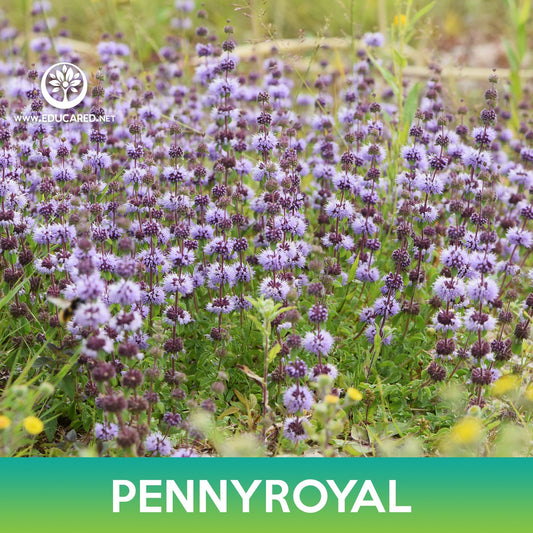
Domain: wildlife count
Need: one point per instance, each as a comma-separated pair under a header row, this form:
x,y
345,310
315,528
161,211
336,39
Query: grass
x,y
257,20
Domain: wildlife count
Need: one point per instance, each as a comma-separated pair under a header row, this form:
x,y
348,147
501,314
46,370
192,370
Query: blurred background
x,y
457,33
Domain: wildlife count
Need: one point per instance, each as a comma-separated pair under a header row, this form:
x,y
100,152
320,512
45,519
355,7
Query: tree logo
x,y
64,85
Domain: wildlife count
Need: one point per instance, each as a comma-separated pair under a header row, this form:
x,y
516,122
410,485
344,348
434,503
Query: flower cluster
x,y
212,189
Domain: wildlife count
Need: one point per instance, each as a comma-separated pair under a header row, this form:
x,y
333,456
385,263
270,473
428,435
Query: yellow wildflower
x,y
400,20
505,384
331,399
529,393
354,394
5,421
467,430
33,425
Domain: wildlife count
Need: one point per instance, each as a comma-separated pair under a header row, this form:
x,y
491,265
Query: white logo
x,y
64,85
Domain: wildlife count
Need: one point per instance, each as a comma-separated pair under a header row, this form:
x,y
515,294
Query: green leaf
x,y
409,110
386,74
227,412
511,56
524,13
50,428
411,104
10,295
253,301
257,323
351,450
353,269
418,15
273,352
516,85
282,310
253,401
516,347
494,424
67,385
243,399
377,343
521,42
86,419
399,59
347,297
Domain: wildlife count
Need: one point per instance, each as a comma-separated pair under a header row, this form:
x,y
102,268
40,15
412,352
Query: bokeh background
x,y
469,33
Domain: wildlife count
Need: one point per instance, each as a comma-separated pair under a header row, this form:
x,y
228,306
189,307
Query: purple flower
x,y
344,181
218,274
277,289
482,290
124,292
294,430
483,262
426,213
63,232
374,39
173,283
520,237
371,332
134,175
429,183
172,419
96,160
477,321
152,259
318,342
177,315
184,452
366,273
415,156
446,321
337,209
318,313
157,443
386,307
107,431
185,5
181,257
201,232
127,321
263,143
362,225
222,305
367,315
296,369
297,398
154,296
272,259
483,135
508,268
476,158
520,176
89,286
448,289
323,370
91,314
40,44
242,272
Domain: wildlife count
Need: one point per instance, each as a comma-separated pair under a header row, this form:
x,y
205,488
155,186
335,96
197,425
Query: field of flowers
x,y
238,256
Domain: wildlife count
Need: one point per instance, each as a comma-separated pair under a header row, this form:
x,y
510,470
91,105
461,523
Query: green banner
x,y
263,495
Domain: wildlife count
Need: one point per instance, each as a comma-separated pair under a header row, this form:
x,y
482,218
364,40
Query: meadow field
x,y
266,228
